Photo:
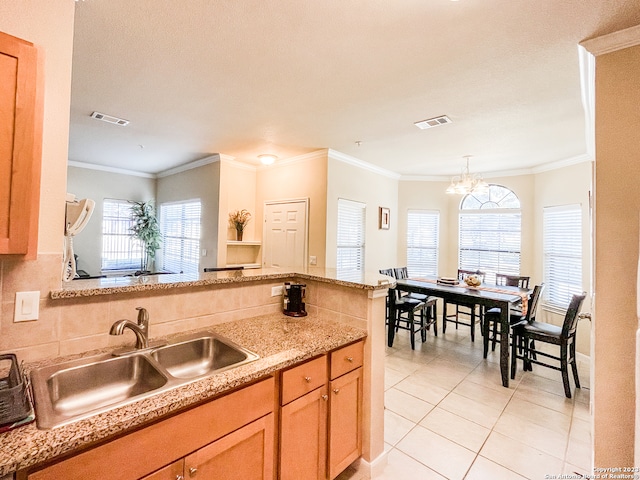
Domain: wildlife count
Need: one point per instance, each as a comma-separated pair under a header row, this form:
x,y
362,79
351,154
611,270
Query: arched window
x,y
490,232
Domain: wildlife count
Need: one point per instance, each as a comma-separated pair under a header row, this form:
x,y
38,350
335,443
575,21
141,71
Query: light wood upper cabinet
x,y
20,145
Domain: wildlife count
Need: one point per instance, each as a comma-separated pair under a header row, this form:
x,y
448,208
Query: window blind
x,y
180,226
120,251
351,238
562,239
490,242
422,242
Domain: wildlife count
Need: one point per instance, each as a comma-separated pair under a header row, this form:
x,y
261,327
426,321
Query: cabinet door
x,y
20,145
303,437
345,420
246,454
175,471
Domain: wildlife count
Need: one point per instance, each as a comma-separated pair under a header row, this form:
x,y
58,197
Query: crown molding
x,y
356,162
508,173
190,166
103,168
567,162
629,37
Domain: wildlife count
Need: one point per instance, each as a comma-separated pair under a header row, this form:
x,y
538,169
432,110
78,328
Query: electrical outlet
x,y
27,306
276,291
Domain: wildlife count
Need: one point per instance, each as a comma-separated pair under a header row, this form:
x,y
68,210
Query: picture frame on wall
x,y
384,218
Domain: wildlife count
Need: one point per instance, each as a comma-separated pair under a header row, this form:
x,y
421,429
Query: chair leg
x,y
564,368
495,335
413,339
514,350
574,365
423,325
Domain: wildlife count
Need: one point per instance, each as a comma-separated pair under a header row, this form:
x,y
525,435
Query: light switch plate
x,y
27,306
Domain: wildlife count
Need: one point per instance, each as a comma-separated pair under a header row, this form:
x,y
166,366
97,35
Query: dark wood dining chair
x,y
410,313
463,310
430,303
491,320
512,280
564,337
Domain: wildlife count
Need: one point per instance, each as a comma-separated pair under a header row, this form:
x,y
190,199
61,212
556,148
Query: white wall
x,y
373,189
98,185
201,183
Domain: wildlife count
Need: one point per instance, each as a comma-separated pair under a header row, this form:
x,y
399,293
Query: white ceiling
x,y
246,77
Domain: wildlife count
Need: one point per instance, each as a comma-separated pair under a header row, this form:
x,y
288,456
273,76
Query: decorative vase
x,y
239,235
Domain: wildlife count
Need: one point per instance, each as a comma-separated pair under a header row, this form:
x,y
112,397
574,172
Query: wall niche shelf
x,y
246,253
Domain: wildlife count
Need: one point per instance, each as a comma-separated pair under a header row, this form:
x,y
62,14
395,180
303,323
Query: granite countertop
x,y
279,340
111,285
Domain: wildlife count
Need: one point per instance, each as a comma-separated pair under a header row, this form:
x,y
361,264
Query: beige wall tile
x,y
22,334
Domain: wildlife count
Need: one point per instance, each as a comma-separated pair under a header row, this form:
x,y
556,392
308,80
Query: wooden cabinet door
x,y
246,454
20,145
345,420
175,471
303,437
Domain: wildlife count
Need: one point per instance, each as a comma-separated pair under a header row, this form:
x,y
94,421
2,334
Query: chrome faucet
x,y
141,329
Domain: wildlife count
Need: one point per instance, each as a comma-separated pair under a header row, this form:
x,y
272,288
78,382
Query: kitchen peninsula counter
x,y
156,282
279,340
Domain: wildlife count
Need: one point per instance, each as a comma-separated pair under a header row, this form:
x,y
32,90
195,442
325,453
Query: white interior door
x,y
285,236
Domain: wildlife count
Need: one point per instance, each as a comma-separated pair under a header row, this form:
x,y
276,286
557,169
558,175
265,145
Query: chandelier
x,y
467,183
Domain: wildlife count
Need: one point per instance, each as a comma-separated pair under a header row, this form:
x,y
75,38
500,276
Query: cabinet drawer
x,y
303,379
346,359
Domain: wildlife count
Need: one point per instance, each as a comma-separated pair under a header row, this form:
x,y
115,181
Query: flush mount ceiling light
x,y
267,159
467,183
109,119
433,122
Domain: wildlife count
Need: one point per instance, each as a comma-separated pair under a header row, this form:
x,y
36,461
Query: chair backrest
x,y
534,300
512,280
464,273
571,318
401,272
388,271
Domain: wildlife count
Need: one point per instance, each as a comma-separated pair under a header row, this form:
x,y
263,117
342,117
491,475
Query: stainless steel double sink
x,y
81,388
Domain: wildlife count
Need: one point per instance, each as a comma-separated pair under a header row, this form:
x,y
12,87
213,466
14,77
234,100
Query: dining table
x,y
503,297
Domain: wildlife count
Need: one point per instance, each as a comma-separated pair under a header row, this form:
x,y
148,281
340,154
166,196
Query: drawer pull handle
x,y
325,397
350,359
308,379
193,471
336,390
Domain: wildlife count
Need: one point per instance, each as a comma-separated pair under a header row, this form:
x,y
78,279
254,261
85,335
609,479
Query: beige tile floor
x,y
447,416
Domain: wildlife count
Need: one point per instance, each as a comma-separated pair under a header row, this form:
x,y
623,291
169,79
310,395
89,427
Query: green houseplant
x,y
239,220
146,229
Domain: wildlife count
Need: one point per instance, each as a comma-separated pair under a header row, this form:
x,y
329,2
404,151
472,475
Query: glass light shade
x,y
267,159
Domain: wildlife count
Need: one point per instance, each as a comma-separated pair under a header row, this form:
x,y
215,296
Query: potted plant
x,y
239,220
146,229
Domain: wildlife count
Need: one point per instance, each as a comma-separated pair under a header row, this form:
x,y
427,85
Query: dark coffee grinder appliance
x,y
293,299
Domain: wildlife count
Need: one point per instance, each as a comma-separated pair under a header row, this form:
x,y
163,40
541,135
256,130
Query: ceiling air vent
x,y
432,122
109,119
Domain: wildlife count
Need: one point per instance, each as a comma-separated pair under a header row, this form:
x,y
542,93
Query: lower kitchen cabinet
x,y
244,454
345,420
233,433
303,437
320,429
175,471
